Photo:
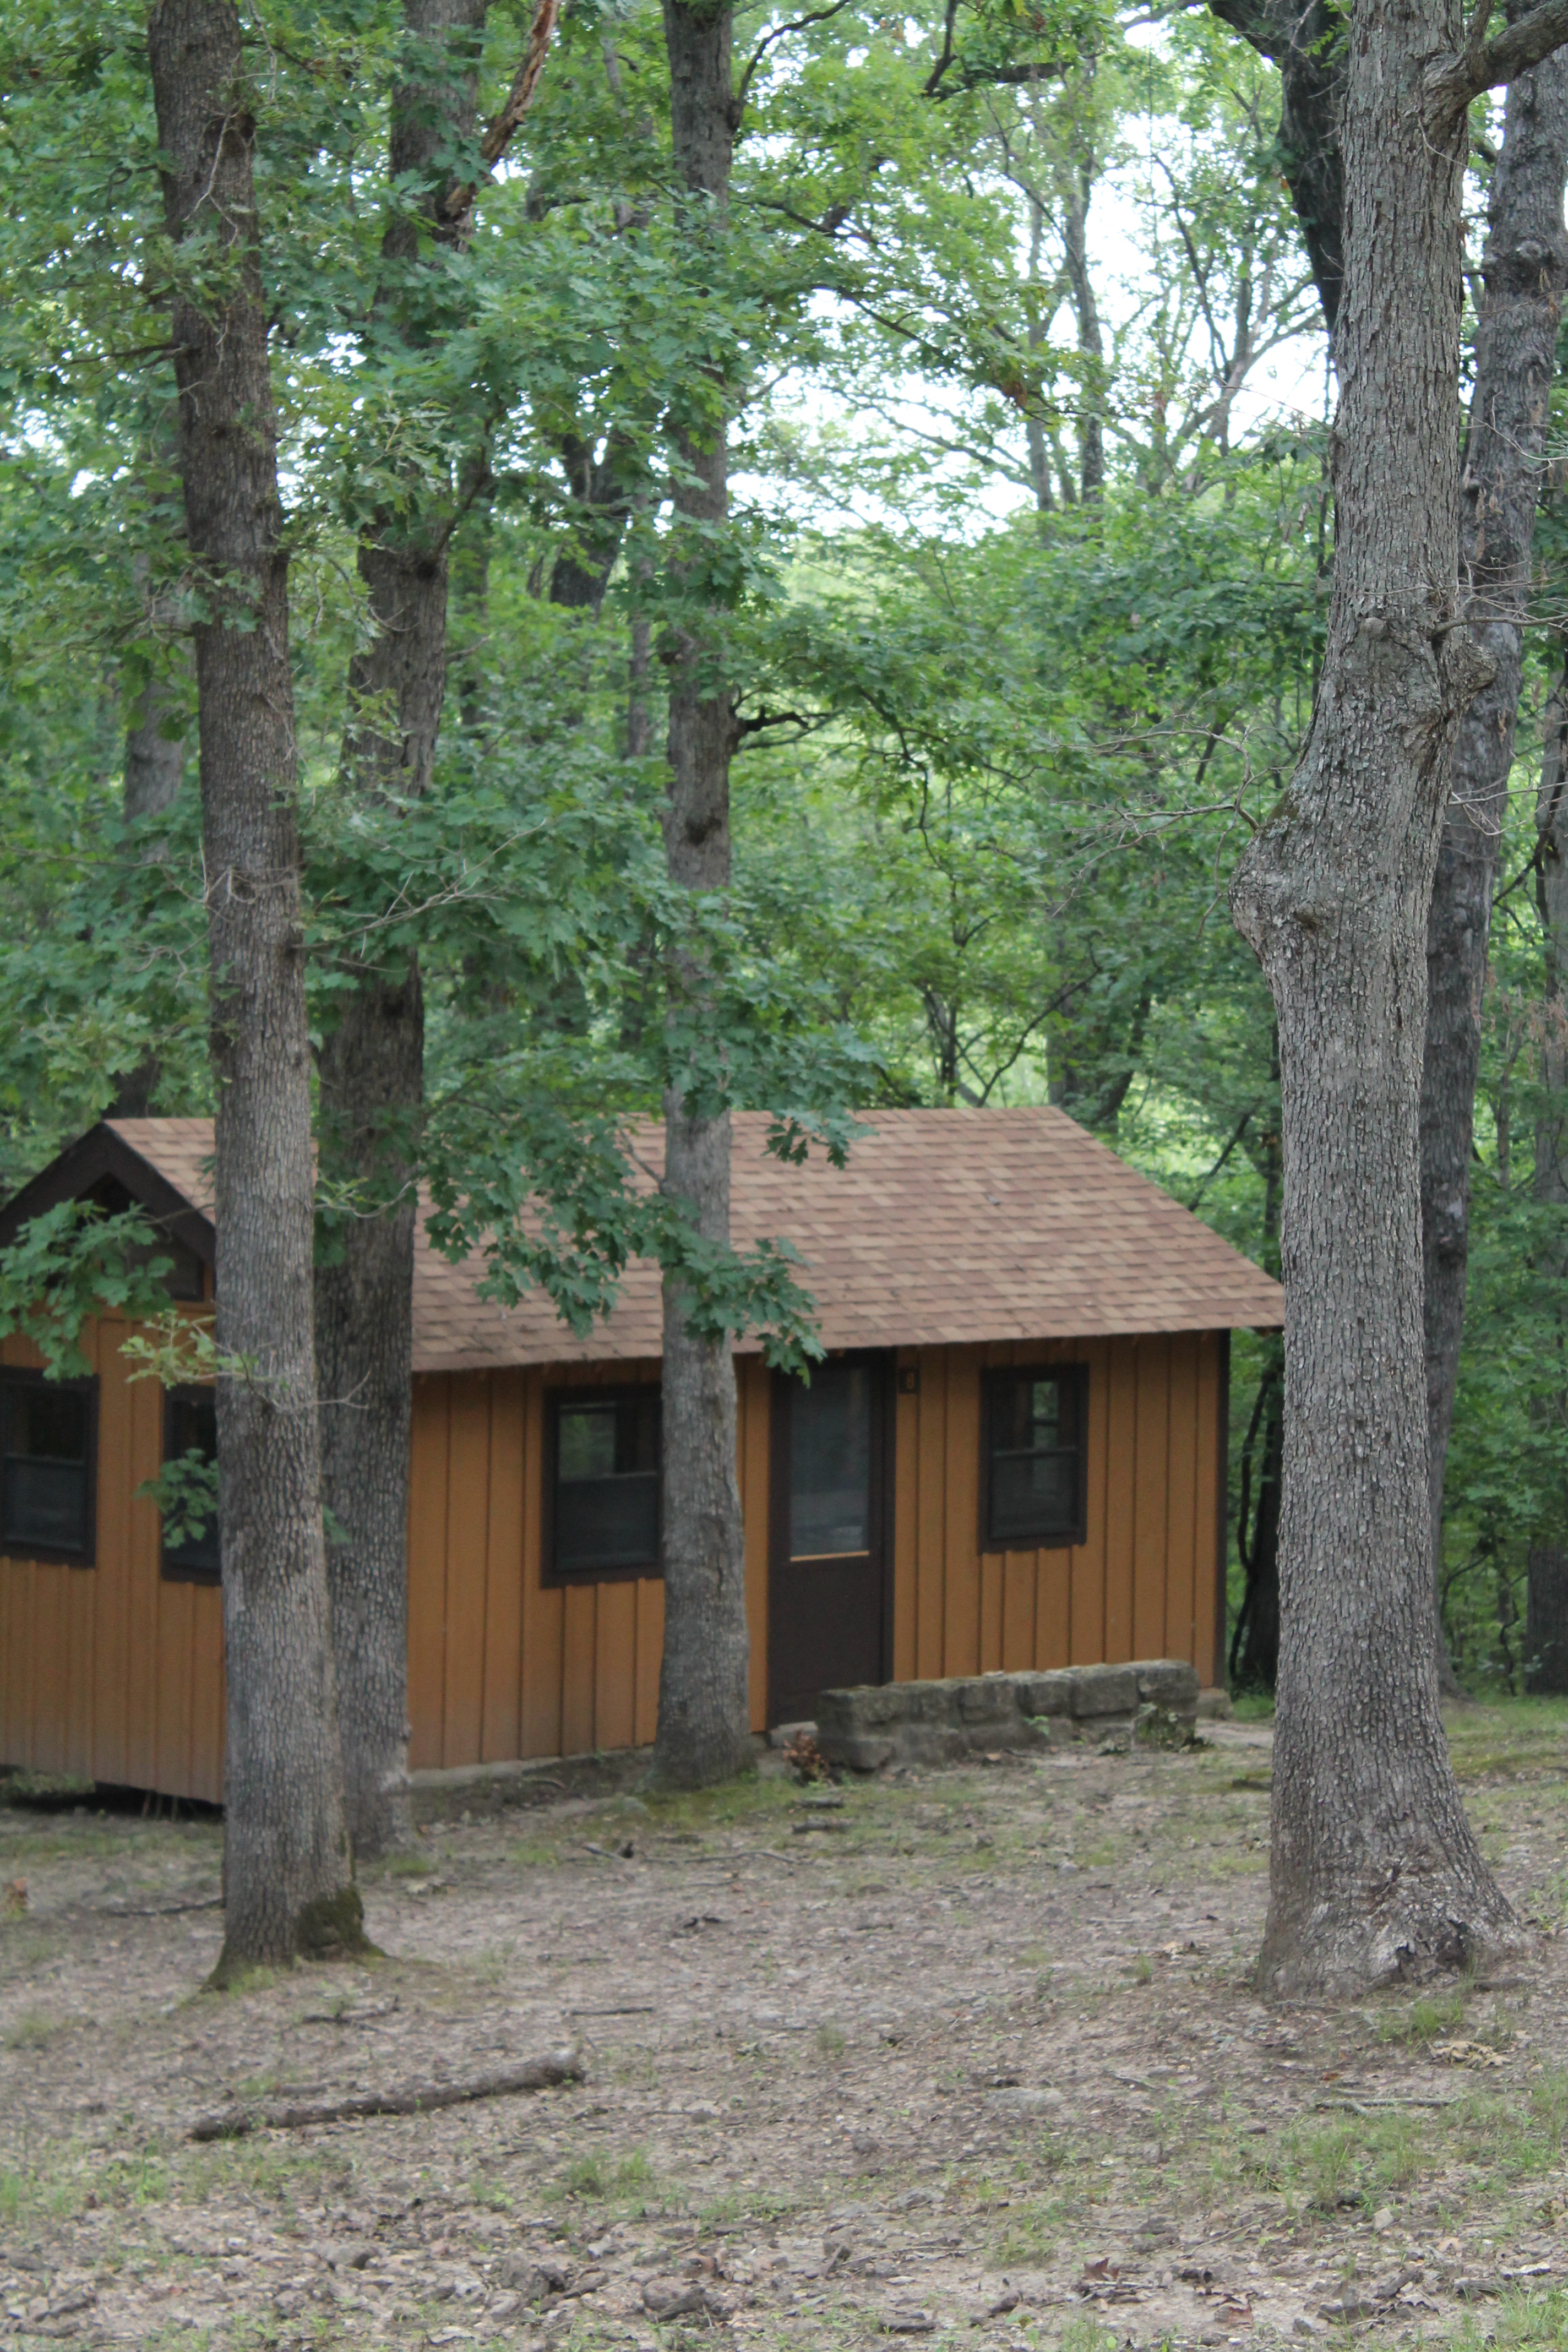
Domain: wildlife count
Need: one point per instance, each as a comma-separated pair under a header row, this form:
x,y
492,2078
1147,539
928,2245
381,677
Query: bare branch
x,y
779,33
519,98
1451,85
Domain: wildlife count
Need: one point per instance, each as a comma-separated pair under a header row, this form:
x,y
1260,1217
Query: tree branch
x,y
519,98
408,2099
795,25
1451,85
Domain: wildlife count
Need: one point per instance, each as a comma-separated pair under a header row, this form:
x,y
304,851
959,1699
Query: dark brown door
x,y
827,1602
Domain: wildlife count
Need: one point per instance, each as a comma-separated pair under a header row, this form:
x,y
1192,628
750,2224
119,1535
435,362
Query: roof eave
x,y
102,1152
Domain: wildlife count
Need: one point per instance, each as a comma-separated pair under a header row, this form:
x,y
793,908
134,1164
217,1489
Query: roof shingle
x,y
946,1226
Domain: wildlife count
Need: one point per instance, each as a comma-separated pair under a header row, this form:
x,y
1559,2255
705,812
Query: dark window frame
x,y
555,1402
1060,1538
16,1376
179,1572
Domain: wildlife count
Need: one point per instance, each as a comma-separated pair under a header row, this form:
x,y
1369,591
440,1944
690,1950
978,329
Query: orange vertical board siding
x,y
81,1599
543,1612
1019,1578
468,1544
903,1503
176,1640
1149,1497
501,1730
1121,1475
206,1694
1181,1501
650,1656
616,1664
13,1666
754,1385
962,1596
120,1473
1210,1506
141,1537
428,1471
577,1732
51,1665
992,1573
930,1520
1082,1638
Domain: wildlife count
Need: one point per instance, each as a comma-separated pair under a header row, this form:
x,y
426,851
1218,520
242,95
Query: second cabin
x,y
1014,1457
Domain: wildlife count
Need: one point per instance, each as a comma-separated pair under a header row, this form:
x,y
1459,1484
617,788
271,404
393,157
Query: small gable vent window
x,y
190,1455
1032,1486
603,1484
48,1442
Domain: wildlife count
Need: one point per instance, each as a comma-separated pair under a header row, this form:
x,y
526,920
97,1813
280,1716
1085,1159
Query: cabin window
x,y
1032,1481
603,1484
48,1432
190,1450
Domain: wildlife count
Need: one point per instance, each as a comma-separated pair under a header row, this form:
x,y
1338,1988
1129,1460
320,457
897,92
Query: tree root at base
x,y
544,2073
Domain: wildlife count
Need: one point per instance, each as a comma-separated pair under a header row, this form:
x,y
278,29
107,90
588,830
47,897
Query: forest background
x,y
1024,587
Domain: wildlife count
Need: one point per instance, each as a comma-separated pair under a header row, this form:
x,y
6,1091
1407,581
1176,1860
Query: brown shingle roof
x,y
946,1226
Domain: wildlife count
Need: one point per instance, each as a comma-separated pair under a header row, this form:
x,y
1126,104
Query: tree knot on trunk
x,y
1465,666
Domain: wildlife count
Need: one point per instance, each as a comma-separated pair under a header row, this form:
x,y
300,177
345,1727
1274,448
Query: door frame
x,y
882,1499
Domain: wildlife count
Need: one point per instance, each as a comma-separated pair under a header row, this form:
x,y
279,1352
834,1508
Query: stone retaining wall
x,y
942,1722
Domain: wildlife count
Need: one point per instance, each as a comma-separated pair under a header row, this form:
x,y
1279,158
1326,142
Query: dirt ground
x,y
965,2056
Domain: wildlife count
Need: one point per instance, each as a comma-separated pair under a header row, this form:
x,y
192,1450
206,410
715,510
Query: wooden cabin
x,y
1014,1457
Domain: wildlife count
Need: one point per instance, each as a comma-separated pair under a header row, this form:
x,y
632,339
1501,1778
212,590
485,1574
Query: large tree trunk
x,y
1374,1871
288,1876
1524,265
372,1062
703,1714
1546,1612
1255,1645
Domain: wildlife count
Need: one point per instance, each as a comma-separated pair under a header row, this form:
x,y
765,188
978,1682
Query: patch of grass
x,y
1086,2334
830,2041
45,1789
1510,2139
1253,1707
245,1980
409,1865
533,1853
1141,1969
1030,2236
483,2190
597,2180
1518,2320
750,2205
1425,2020
35,2029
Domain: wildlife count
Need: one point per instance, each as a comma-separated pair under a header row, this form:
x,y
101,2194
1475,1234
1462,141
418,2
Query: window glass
x,y
606,1484
830,1462
45,1486
1033,1475
191,1427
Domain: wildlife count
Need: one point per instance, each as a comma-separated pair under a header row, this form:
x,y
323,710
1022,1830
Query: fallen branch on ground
x,y
413,2099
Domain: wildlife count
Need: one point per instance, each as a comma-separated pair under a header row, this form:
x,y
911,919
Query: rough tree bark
x,y
1255,1645
1546,1613
1524,265
372,1061
1523,270
1374,1871
703,1714
288,1877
